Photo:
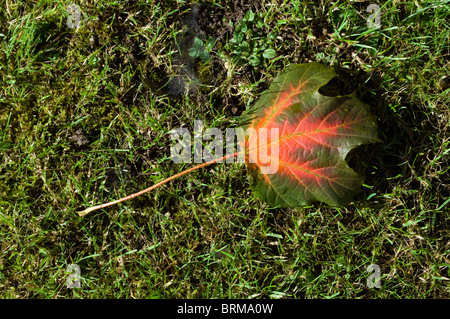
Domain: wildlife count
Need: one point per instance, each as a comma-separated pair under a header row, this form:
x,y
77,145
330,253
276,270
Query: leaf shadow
x,y
398,171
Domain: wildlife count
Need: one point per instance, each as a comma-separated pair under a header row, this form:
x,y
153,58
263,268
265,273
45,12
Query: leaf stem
x,y
93,208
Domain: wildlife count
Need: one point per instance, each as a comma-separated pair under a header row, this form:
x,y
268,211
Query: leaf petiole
x,y
94,208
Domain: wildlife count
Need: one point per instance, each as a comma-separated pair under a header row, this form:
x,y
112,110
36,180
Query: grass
x,y
84,120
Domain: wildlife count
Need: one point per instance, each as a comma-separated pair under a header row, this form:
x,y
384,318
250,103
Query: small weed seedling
x,y
248,45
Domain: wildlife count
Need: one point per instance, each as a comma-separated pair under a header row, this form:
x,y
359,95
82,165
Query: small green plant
x,y
249,44
201,50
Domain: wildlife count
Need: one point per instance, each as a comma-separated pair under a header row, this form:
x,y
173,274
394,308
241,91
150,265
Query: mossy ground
x,y
85,118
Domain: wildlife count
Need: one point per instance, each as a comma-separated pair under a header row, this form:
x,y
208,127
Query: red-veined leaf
x,y
315,133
